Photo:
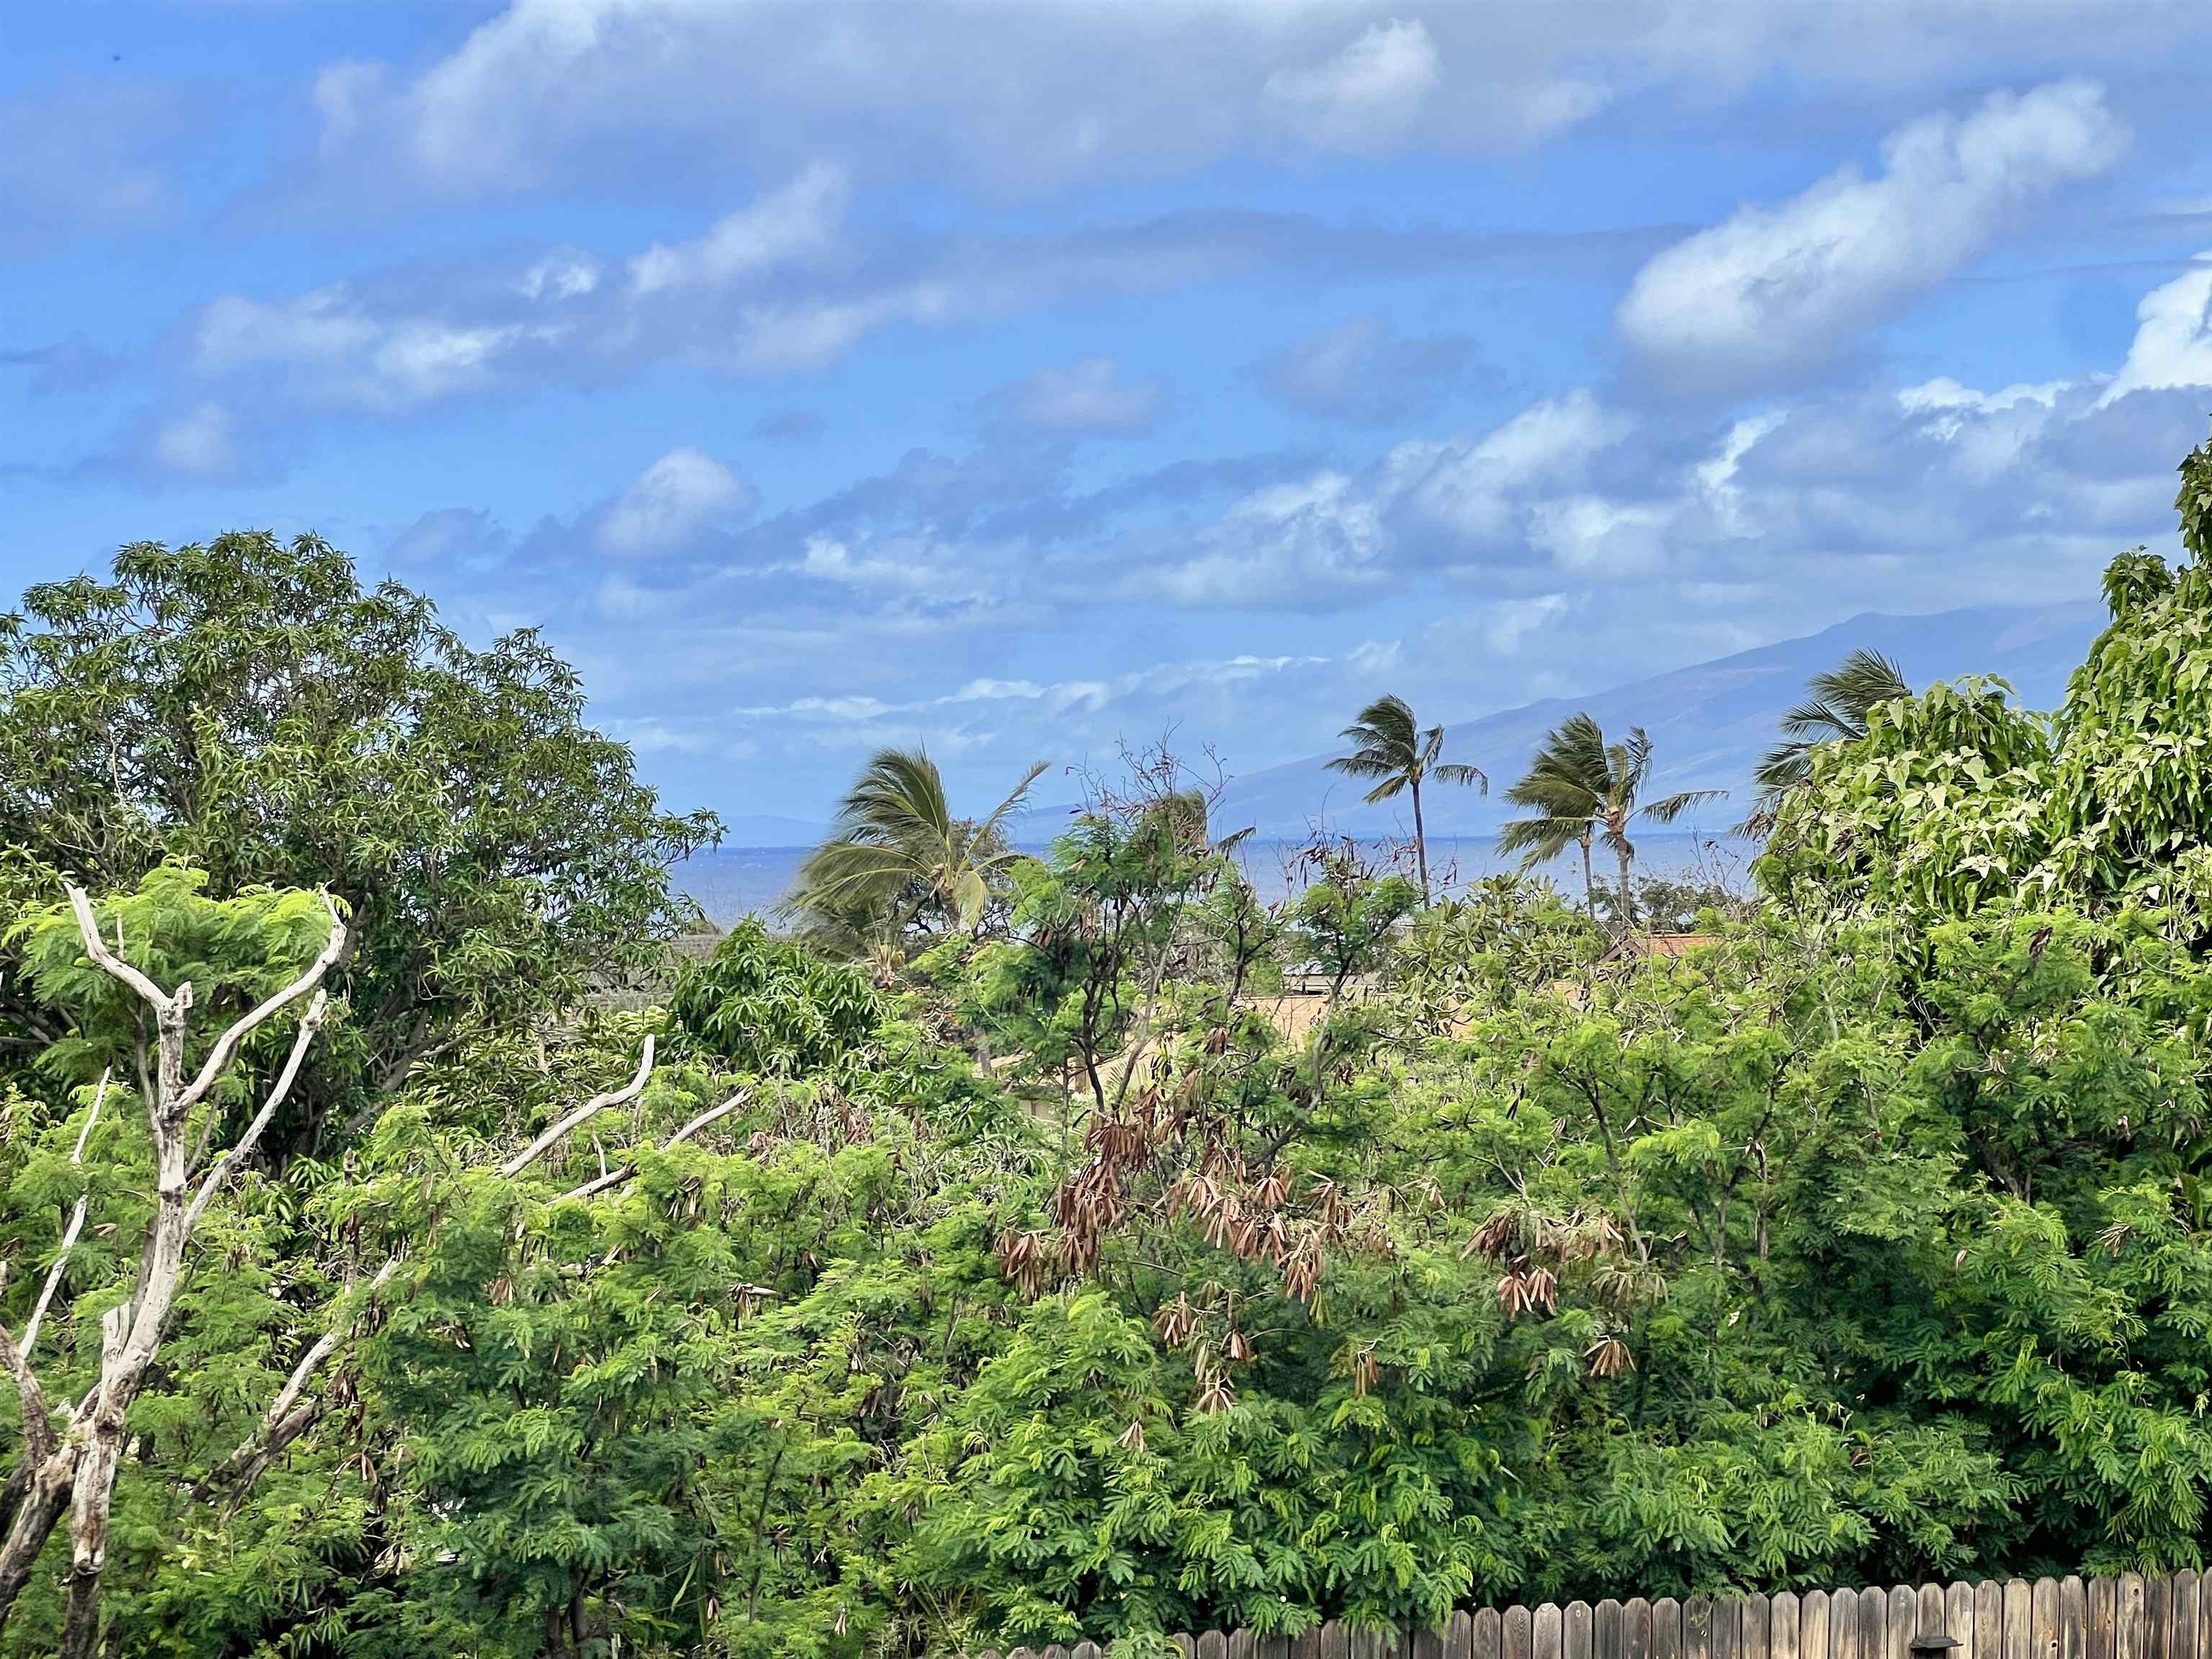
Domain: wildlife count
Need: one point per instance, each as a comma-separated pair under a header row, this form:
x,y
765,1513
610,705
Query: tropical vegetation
x,y
1389,747
1580,789
1839,703
1051,1243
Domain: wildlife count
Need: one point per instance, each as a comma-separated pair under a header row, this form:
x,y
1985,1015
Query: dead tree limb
x,y
591,1109
75,1224
286,1419
615,1177
80,1465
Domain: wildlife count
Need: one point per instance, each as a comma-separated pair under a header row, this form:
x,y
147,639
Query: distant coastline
x,y
731,883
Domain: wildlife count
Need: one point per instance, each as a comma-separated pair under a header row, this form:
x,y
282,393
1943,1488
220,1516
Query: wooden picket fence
x,y
2130,1617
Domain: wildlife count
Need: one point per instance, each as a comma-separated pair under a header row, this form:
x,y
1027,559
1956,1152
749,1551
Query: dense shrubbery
x,y
1060,1283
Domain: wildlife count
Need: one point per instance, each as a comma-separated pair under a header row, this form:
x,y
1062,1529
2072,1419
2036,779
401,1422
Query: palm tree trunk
x,y
1627,899
1589,882
1420,844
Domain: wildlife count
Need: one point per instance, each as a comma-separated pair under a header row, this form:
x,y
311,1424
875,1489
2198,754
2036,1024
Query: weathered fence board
x,y
1577,1635
2165,1616
1697,1627
2127,1626
2043,1602
1636,1628
1520,1635
1813,1624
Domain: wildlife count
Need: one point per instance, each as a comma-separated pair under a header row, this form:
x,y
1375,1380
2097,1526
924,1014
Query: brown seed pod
x,y
1609,1357
1175,1321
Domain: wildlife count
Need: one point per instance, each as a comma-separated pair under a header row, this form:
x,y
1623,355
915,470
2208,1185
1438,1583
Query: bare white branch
x,y
226,1046
616,1177
75,1224
87,928
622,1096
277,1428
310,1023
320,1350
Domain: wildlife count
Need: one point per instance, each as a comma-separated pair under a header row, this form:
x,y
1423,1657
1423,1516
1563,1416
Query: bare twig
x,y
75,1224
310,1023
598,1103
615,1177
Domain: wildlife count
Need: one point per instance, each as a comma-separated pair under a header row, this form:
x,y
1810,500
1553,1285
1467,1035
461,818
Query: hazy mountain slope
x,y
1709,723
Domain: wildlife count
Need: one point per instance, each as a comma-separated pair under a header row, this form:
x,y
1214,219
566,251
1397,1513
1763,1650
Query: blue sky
x,y
1017,380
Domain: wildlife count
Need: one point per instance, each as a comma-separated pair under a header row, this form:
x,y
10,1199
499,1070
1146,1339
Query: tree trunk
x,y
77,1468
1627,898
1589,881
47,1495
1420,844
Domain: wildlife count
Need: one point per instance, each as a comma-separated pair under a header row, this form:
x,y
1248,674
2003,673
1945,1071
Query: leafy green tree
x,y
1082,983
1390,748
248,706
899,856
1936,812
1581,788
769,1006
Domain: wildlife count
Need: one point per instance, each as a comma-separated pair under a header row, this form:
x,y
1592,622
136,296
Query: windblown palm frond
x,y
897,851
1837,711
1582,789
1390,748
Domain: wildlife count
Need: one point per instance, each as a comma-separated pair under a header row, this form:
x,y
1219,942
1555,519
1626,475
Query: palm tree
x,y
1390,747
897,851
1841,699
1581,788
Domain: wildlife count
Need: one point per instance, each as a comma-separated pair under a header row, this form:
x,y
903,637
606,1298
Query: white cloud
x,y
685,491
2172,346
1360,370
798,221
341,354
1292,545
199,446
1551,106
1476,491
1367,96
1086,399
545,90
1775,289
911,565
562,276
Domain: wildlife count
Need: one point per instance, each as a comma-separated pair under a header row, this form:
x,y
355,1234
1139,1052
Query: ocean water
x,y
734,882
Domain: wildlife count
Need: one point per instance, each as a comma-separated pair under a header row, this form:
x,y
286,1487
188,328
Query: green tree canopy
x,y
250,705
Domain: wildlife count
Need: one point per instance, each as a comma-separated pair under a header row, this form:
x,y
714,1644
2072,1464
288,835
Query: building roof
x,y
1643,947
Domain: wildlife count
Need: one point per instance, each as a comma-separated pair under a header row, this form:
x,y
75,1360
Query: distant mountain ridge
x,y
1709,723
